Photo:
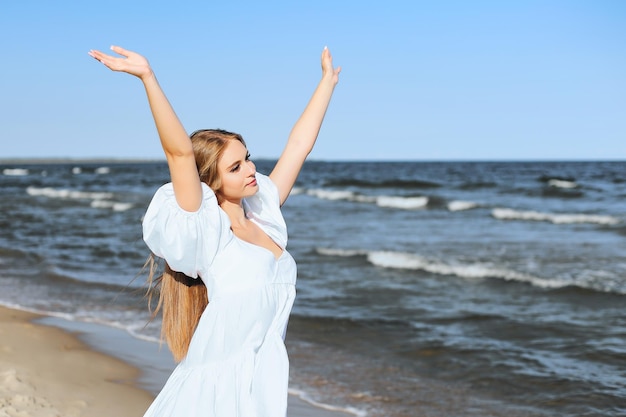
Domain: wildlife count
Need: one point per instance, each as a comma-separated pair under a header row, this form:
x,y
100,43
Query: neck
x,y
234,210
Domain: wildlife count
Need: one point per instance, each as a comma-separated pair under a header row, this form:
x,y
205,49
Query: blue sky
x,y
437,80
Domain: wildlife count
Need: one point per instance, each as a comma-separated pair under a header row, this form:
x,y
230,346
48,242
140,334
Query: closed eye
x,y
237,164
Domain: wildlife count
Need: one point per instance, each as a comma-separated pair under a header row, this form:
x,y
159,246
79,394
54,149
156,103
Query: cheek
x,y
231,182
227,181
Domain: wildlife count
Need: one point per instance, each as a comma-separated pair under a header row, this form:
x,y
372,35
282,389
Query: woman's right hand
x,y
131,62
175,141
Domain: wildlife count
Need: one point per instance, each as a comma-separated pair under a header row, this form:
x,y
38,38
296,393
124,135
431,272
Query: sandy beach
x,y
46,371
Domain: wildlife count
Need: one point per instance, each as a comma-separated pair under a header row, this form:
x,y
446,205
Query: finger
x,y
108,61
95,54
120,51
100,56
325,52
327,59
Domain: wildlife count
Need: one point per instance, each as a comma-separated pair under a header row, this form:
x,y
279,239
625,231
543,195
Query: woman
x,y
220,221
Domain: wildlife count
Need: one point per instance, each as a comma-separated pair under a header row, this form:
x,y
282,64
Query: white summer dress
x,y
236,365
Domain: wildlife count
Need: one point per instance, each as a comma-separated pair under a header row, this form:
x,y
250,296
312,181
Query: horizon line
x,y
61,160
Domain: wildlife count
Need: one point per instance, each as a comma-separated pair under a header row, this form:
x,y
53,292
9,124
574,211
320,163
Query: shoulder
x,y
267,188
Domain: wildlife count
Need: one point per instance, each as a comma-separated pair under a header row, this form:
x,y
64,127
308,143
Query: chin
x,y
250,191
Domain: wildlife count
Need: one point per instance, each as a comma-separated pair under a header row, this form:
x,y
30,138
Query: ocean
x,y
424,288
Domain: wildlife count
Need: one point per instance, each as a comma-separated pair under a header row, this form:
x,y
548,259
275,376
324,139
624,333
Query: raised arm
x,y
176,144
304,133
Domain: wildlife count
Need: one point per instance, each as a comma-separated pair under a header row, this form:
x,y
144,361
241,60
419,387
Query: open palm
x,y
130,62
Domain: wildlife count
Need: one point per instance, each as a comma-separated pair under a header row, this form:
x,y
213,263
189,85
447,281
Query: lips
x,y
252,183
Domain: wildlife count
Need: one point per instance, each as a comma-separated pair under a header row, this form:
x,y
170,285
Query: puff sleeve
x,y
188,241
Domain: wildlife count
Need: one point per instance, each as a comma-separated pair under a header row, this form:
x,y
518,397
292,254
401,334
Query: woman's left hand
x,y
327,66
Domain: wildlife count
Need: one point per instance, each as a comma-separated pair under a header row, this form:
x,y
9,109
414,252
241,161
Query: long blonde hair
x,y
182,299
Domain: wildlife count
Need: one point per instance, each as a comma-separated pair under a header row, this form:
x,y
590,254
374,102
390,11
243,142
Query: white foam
x,y
122,206
128,328
335,195
67,194
103,170
340,252
405,203
15,172
114,205
560,218
85,317
402,260
331,194
76,170
14,306
459,205
304,397
360,198
562,184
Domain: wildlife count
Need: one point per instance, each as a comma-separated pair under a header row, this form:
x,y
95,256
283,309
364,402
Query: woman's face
x,y
236,172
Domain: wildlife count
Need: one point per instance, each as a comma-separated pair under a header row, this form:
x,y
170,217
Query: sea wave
x,y
459,205
67,194
344,410
404,260
405,203
398,202
602,281
340,252
102,170
556,218
332,194
113,205
558,183
101,200
15,172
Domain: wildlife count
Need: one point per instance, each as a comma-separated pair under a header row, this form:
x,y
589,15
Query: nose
x,y
251,168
